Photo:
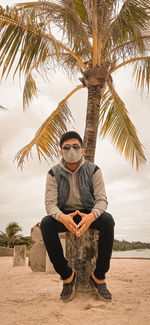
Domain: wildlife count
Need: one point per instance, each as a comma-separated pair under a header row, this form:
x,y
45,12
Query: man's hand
x,y
85,223
67,220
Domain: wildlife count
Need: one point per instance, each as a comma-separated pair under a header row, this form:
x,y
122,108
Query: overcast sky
x,y
22,193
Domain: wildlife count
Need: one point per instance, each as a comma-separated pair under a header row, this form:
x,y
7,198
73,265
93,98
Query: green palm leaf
x,y
117,125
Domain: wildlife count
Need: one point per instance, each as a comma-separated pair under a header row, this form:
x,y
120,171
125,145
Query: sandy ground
x,y
28,298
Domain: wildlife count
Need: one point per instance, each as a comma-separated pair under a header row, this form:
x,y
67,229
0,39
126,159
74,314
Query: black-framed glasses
x,y
74,146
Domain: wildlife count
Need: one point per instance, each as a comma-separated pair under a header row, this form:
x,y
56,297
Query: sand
x,y
28,298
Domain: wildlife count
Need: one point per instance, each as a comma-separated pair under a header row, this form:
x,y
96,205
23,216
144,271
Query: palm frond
x,y
81,10
29,90
129,23
142,73
117,125
131,48
64,15
141,70
26,38
99,17
12,229
2,234
47,137
3,108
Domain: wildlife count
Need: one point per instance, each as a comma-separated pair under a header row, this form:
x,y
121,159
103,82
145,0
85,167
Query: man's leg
x,y
50,229
105,225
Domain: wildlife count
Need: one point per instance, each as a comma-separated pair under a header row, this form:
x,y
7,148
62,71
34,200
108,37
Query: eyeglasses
x,y
74,146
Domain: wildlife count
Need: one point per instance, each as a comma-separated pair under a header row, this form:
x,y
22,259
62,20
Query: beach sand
x,y
29,298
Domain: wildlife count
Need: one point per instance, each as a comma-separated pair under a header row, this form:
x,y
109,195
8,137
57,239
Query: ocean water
x,y
139,253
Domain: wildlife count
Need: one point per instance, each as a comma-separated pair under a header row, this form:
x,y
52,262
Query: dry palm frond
x,y
26,40
47,137
141,70
142,73
32,43
29,90
130,49
3,108
117,125
63,15
130,21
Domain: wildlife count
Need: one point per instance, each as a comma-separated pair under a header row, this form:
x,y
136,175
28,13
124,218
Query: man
x,y
75,200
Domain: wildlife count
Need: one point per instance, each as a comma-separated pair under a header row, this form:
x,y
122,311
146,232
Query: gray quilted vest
x,y
85,184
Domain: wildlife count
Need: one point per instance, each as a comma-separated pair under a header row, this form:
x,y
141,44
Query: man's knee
x,y
107,219
47,224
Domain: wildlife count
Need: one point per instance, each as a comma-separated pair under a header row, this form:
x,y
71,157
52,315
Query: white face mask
x,y
72,155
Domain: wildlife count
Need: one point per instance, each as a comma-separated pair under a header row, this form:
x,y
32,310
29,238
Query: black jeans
x,y
50,229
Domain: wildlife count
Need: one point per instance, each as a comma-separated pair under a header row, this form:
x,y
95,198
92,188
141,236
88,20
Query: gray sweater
x,y
74,201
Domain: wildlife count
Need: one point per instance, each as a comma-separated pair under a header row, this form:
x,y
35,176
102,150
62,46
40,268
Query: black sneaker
x,y
68,291
101,290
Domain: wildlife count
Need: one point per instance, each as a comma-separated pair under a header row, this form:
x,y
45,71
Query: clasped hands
x,y
83,225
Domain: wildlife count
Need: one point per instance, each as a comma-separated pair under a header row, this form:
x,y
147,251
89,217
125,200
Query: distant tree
x,y
11,236
25,240
124,245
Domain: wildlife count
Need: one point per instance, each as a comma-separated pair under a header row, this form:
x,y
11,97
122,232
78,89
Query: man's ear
x,y
61,152
82,151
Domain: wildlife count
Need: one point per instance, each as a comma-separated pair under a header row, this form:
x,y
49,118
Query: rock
x,y
37,257
19,258
6,251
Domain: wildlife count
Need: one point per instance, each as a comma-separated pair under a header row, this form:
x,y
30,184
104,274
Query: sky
x,y
22,192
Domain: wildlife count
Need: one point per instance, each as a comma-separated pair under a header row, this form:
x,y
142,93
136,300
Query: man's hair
x,y
70,135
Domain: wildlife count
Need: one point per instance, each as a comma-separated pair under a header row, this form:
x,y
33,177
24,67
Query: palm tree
x,y
98,37
11,235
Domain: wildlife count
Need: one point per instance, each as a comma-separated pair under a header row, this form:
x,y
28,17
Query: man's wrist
x,y
60,217
94,215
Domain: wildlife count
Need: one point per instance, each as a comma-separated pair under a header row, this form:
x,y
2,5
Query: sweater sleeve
x,y
99,193
51,194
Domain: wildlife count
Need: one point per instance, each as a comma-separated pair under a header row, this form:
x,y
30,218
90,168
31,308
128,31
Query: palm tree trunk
x,y
82,252
92,120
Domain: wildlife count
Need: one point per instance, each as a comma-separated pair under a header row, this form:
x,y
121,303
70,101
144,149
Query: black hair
x,y
70,135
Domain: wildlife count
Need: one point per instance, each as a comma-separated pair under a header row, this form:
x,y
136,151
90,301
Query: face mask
x,y
72,155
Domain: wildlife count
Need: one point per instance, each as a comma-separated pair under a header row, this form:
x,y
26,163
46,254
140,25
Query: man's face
x,y
71,143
